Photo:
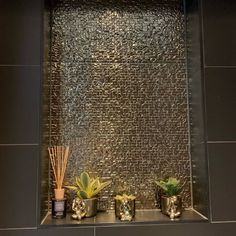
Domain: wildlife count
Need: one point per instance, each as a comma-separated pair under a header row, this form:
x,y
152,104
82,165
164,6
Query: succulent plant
x,y
171,186
124,197
87,187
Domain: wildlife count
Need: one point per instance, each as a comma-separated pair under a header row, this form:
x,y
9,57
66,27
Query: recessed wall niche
x,y
118,94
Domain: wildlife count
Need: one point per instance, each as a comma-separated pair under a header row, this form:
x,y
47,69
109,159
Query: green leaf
x,y
124,197
85,180
74,188
82,194
87,187
92,186
171,186
101,187
79,184
162,185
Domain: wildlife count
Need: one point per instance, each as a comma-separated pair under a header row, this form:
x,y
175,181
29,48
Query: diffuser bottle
x,y
59,157
59,204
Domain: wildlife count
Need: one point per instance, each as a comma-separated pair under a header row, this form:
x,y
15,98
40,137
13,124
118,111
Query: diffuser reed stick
x,y
59,158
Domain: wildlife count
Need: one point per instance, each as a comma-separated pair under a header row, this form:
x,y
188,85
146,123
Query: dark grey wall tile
x,y
18,175
19,102
200,179
20,29
19,232
194,69
227,229
220,87
222,164
164,230
172,229
66,231
195,91
219,32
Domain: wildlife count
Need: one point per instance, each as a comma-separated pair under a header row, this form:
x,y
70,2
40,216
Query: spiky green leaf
x,y
85,180
74,188
101,187
82,195
79,184
170,187
87,187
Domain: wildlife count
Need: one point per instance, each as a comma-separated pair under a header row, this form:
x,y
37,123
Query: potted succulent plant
x,y
125,207
171,201
87,189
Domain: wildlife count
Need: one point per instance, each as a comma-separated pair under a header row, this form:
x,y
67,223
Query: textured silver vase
x,y
171,206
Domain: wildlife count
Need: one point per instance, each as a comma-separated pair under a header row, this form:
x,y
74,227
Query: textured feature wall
x,y
119,93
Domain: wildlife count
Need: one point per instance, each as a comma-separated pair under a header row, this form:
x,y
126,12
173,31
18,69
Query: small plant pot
x,y
171,206
90,207
118,208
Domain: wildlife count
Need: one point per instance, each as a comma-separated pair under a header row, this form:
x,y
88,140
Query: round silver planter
x,y
90,207
171,206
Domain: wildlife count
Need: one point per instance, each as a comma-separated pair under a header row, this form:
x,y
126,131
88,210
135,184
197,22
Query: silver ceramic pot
x,y
90,207
171,206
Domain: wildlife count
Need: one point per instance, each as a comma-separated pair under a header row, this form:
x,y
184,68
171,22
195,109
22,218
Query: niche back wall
x,y
119,93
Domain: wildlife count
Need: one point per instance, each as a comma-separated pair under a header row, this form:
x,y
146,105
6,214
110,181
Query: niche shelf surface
x,y
141,217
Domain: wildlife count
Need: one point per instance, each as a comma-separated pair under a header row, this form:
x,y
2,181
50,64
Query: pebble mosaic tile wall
x,y
119,93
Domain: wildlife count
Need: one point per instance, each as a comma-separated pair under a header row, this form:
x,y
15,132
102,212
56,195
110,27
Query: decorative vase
x,y
84,208
171,206
125,209
90,207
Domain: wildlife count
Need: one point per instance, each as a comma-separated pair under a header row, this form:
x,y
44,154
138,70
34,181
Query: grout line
x,y
175,223
203,35
45,217
215,66
223,222
199,214
22,228
223,142
2,65
19,144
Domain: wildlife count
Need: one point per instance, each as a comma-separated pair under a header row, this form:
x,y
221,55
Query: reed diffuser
x,y
59,157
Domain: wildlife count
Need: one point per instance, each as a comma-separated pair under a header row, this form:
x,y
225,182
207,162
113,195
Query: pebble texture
x,y
119,93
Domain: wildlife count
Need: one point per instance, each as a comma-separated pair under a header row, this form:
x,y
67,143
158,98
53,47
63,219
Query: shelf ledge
x,y
141,217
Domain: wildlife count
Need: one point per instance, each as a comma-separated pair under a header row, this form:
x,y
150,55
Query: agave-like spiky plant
x,y
124,197
87,187
171,186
